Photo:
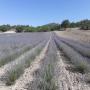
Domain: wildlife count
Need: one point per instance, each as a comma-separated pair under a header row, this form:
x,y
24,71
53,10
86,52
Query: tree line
x,y
84,24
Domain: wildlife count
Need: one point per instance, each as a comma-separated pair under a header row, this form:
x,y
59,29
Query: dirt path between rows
x,y
62,76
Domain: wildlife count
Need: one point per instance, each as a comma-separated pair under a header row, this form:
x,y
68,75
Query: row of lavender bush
x,y
80,62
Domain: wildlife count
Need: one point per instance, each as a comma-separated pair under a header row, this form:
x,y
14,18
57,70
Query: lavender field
x,y
44,61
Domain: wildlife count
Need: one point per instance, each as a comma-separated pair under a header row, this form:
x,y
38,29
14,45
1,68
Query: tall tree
x,y
65,24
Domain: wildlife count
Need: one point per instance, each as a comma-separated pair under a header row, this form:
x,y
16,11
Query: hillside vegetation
x,y
83,25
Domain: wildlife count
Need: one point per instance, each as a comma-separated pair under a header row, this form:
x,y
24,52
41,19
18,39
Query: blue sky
x,y
39,12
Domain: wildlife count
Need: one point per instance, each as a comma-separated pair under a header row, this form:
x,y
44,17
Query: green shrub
x,y
81,68
13,75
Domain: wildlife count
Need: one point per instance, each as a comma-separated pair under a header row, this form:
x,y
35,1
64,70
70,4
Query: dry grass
x,y
79,35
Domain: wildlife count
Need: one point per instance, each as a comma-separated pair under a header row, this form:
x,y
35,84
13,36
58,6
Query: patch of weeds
x,y
32,56
27,63
38,50
13,75
81,68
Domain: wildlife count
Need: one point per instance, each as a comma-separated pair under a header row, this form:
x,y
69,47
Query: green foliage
x,y
13,75
27,28
48,27
73,25
85,24
4,28
19,28
65,24
81,68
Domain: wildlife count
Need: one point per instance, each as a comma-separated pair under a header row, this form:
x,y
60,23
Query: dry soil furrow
x,y
28,75
62,76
